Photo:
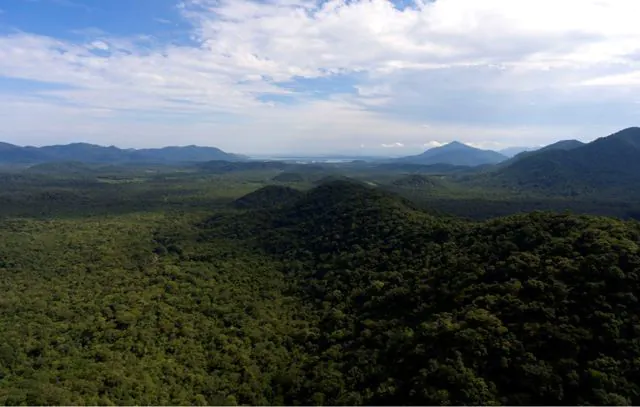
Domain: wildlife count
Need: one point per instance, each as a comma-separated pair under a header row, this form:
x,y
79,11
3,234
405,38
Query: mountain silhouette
x,y
91,153
610,164
455,153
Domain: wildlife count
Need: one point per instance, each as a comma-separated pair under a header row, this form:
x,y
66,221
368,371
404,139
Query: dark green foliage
x,y
98,313
269,196
344,294
61,168
533,309
333,178
289,177
223,167
403,167
417,181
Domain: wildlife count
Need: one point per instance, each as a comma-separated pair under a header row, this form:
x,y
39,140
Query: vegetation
x,y
345,284
344,294
96,312
272,195
289,177
416,181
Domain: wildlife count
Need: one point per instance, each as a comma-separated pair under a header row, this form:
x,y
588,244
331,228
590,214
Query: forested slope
x,y
530,309
346,295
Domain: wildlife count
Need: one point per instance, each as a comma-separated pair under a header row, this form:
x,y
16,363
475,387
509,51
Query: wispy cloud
x,y
494,71
163,20
392,145
432,144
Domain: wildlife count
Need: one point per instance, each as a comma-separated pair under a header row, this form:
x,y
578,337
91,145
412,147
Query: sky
x,y
317,76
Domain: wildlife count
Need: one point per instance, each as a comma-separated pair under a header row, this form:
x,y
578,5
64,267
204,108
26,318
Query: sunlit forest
x,y
238,289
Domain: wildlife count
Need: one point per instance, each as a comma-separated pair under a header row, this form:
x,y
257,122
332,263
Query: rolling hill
x,y
455,153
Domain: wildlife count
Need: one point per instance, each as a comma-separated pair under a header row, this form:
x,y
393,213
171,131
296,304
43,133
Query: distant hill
x,y
184,154
416,181
61,167
337,178
267,197
289,177
563,145
221,166
91,153
455,153
422,169
12,154
609,164
513,151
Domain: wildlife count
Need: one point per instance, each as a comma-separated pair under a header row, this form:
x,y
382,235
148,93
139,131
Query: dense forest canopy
x,y
215,291
262,282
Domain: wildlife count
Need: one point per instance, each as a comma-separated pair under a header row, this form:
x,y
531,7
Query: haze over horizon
x,y
317,77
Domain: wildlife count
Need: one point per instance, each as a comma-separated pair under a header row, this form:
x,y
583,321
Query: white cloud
x,y
415,67
432,144
626,79
101,45
392,145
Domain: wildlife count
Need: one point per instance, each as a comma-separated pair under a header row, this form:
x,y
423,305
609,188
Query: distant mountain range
x,y
90,153
571,167
609,165
455,153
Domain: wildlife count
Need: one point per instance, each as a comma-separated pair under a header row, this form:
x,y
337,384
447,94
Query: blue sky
x,y
304,76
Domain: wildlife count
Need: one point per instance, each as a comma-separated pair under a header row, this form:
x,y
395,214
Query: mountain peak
x,y
453,145
456,153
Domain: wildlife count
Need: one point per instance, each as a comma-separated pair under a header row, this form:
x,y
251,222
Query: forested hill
x,y
341,295
608,166
525,310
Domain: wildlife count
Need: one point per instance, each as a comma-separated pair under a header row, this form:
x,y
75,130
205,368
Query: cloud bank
x,y
334,76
